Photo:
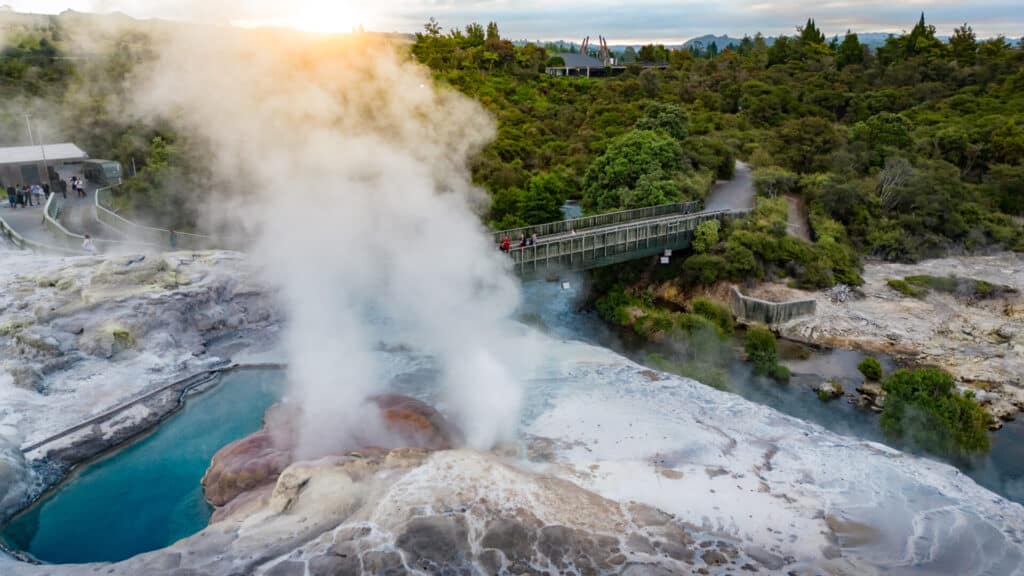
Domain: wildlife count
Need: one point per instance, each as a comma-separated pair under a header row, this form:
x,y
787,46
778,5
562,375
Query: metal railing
x,y
154,236
609,245
586,222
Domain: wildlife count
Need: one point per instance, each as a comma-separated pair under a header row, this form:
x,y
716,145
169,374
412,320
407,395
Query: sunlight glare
x,y
328,16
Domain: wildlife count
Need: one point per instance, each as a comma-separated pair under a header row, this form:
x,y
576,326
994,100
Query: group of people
x,y
77,186
34,195
26,195
524,241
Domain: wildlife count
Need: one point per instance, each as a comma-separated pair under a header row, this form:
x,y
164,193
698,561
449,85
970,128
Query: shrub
x,y
774,181
702,269
870,368
706,236
761,349
923,408
715,312
903,287
779,373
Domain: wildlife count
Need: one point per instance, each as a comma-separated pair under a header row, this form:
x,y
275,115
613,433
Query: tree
x,y
851,51
706,236
654,156
805,144
650,81
668,118
964,46
773,181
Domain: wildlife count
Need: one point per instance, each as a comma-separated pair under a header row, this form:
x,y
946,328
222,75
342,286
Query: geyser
x,y
347,173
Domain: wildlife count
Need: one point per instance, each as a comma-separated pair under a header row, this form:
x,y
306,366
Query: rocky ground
x,y
81,335
979,341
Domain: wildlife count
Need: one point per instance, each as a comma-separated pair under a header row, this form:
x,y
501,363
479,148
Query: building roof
x,y
27,154
574,60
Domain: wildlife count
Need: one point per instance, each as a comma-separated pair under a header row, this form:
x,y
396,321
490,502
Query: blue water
x,y
146,496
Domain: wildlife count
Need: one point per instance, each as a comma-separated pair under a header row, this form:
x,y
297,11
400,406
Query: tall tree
x,y
964,46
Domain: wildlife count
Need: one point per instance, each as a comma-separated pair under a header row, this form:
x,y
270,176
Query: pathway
x,y
733,195
27,221
796,219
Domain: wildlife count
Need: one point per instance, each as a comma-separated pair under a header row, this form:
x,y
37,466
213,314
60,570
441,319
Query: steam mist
x,y
347,173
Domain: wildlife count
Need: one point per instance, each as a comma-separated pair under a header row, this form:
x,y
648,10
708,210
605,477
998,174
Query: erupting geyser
x,y
348,174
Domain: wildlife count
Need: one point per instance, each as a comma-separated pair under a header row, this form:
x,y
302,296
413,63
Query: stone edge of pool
x,y
54,458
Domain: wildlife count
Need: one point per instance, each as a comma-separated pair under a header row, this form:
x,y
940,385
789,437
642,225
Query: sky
x,y
666,21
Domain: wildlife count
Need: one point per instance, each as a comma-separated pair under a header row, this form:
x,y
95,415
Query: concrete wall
x,y
754,310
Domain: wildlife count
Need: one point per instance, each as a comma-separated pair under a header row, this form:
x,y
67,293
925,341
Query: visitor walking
x,y
88,246
46,190
12,196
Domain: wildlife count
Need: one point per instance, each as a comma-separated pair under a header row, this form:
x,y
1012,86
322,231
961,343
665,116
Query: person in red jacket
x,y
505,243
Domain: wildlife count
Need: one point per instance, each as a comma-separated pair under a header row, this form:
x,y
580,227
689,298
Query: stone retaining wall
x,y
753,310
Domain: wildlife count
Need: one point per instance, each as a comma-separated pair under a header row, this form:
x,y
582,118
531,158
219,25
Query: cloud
x,y
664,20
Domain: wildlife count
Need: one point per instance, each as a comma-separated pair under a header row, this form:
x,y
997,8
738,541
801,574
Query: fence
x,y
608,245
154,236
754,310
586,222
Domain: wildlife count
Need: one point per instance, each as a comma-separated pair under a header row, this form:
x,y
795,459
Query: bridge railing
x,y
585,222
154,236
608,245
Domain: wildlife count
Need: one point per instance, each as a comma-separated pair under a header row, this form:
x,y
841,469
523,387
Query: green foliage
x,y
706,236
773,181
923,408
759,344
904,287
871,368
716,313
638,169
703,269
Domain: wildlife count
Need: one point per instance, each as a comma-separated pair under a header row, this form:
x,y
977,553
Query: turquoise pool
x,y
146,496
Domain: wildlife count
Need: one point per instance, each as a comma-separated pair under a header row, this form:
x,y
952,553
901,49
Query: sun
x,y
328,16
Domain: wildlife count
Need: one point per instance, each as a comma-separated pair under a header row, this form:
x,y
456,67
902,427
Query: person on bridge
x,y
12,196
522,240
534,239
88,246
506,244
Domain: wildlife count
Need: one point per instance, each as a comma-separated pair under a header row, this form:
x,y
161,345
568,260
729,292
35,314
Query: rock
x,y
434,542
258,459
714,558
383,563
253,461
829,390
873,396
513,538
26,377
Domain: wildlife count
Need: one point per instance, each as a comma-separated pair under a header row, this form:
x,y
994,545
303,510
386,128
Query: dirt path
x,y
796,222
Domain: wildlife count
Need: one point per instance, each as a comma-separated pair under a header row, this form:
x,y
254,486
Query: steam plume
x,y
348,172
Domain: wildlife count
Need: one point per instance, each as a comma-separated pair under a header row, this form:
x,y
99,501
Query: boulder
x,y
26,377
257,460
829,390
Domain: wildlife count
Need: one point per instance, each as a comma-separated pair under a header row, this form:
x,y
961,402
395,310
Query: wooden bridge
x,y
595,241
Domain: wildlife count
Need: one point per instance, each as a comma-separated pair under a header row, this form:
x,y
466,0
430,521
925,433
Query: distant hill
x,y
707,39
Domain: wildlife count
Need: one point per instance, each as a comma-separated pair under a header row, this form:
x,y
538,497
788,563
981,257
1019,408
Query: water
x,y
146,496
553,307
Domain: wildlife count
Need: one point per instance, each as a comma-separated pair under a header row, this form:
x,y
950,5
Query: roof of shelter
x,y
574,60
26,154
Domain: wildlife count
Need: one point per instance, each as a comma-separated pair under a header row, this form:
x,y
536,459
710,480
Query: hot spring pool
x,y
146,496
